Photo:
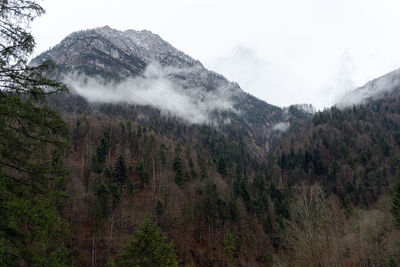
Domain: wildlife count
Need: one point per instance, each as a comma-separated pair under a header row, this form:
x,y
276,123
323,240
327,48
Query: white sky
x,y
282,51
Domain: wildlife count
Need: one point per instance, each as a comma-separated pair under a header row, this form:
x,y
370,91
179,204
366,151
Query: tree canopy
x,y
32,141
147,247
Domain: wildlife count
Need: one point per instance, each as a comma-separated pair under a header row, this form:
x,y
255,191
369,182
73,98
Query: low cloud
x,y
372,90
157,88
281,126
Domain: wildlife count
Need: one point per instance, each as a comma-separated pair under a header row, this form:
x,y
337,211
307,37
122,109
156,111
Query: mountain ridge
x,y
115,55
385,85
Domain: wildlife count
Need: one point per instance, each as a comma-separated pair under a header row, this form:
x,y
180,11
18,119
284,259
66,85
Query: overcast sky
x,y
284,52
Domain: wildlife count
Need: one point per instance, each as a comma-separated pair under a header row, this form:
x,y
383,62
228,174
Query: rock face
x,y
108,51
115,55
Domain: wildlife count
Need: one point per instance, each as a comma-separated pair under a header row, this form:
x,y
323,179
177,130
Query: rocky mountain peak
x,y
111,51
121,56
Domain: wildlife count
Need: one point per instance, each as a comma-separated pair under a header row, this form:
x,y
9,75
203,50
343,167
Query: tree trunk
x,y
94,251
112,229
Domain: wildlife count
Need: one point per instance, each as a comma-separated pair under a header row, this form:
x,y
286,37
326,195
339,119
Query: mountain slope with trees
x,y
88,185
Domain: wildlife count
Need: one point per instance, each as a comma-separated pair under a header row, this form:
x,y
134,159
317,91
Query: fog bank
x,y
156,88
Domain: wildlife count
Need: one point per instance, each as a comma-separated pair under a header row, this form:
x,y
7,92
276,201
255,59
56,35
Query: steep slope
x,y
384,86
114,56
106,51
215,189
353,151
201,182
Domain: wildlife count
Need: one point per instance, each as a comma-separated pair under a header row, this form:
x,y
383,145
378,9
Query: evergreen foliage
x,y
229,246
178,168
143,173
31,231
120,172
395,209
147,247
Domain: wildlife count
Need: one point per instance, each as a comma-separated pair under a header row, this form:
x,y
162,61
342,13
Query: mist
x,y
156,88
281,126
372,90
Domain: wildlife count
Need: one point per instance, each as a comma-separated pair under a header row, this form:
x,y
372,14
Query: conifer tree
x,y
103,197
222,167
210,203
395,209
31,231
178,168
121,171
148,247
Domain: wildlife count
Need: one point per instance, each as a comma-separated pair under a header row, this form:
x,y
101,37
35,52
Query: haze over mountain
x,y
388,84
105,65
229,178
151,159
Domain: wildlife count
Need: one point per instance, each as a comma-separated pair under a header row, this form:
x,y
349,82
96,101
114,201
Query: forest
x,y
86,184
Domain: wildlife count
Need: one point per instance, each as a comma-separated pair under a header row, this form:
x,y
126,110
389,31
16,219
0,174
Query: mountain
x,y
106,51
247,184
384,86
114,55
193,177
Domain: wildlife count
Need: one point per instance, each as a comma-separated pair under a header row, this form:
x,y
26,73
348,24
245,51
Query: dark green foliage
x,y
395,209
229,246
102,209
210,203
281,205
222,167
148,247
203,167
120,172
116,195
192,172
178,168
233,209
241,188
351,152
31,180
143,173
129,186
99,158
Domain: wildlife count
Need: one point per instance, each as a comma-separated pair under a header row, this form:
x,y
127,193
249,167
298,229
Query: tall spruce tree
x,y
31,231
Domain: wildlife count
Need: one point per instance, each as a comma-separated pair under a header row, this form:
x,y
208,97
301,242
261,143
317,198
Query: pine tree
x,y
103,198
222,167
120,171
148,247
395,209
99,158
203,167
178,168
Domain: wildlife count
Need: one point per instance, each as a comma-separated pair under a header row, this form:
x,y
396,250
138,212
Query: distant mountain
x,y
386,85
117,55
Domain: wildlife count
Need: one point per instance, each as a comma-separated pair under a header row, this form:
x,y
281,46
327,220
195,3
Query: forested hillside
x,y
92,183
